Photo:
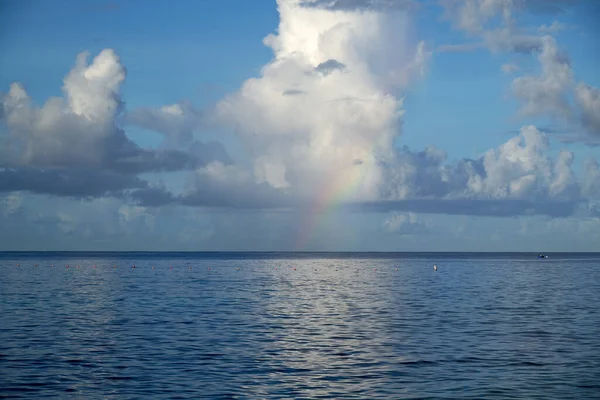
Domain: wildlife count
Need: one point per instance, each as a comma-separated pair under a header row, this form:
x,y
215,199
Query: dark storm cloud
x,y
136,160
252,196
114,169
361,4
73,163
153,197
80,183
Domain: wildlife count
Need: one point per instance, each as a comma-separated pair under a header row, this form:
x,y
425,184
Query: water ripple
x,y
305,327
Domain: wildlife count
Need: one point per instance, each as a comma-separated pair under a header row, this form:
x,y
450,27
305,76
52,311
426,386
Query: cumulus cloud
x,y
229,186
344,63
519,169
73,145
591,183
477,16
177,122
516,178
322,118
66,131
318,125
588,100
473,15
493,22
547,93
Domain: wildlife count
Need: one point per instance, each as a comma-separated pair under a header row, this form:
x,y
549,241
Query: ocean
x,y
299,325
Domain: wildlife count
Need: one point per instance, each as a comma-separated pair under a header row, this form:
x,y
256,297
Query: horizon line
x,y
298,252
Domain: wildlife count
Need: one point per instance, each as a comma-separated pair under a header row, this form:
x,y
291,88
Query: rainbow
x,y
332,194
340,187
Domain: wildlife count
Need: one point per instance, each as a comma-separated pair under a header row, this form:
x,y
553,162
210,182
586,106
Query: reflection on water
x,y
330,328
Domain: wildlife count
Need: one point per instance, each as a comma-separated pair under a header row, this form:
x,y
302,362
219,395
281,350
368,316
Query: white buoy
x,y
434,267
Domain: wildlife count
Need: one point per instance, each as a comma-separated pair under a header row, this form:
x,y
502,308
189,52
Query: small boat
x,y
542,256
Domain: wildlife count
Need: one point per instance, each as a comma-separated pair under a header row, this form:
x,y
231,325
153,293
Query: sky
x,y
300,125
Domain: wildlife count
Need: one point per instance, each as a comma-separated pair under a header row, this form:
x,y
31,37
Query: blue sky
x,y
181,135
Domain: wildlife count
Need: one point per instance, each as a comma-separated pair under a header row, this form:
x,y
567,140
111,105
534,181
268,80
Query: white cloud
x,y
73,145
588,100
321,118
418,65
547,93
74,130
319,124
177,122
78,129
564,181
494,22
518,170
521,168
93,90
230,186
591,181
346,113
337,130
473,15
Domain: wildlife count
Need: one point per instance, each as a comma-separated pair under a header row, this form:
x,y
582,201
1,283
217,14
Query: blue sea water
x,y
299,325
